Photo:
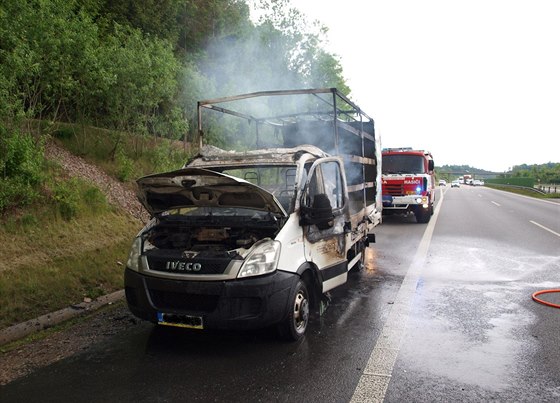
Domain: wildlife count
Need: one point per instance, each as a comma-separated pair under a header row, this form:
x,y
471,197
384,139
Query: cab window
x,y
327,180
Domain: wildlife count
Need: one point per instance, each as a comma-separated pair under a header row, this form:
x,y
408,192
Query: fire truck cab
x,y
408,182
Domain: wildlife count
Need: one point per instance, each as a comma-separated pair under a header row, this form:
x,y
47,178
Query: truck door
x,y
324,213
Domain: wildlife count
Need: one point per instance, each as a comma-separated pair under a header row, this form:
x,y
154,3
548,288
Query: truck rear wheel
x,y
294,326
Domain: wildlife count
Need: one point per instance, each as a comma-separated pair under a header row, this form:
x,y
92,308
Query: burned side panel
x,y
355,142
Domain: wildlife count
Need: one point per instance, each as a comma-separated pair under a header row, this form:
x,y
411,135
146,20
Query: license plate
x,y
178,320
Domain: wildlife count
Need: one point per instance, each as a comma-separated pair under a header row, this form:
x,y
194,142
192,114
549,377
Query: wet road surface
x,y
450,310
474,333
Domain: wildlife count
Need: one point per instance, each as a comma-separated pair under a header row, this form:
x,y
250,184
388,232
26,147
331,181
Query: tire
x,y
423,216
294,326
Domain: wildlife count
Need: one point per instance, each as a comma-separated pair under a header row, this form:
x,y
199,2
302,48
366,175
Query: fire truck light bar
x,y
397,149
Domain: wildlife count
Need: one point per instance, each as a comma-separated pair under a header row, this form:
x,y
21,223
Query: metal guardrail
x,y
516,187
549,188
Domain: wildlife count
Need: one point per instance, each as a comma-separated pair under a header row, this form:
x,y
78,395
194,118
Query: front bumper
x,y
235,304
404,203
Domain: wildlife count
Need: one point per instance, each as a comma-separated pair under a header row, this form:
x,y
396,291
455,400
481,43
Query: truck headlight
x,y
261,260
134,255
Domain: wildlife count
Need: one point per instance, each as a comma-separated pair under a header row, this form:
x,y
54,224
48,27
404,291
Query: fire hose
x,y
537,293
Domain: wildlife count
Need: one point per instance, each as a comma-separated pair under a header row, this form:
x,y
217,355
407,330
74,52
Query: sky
x,y
475,82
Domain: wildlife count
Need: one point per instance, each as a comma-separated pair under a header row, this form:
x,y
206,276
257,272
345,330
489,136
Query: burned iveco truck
x,y
256,235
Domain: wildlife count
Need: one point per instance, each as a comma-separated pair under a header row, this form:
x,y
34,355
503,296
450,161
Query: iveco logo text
x,y
183,266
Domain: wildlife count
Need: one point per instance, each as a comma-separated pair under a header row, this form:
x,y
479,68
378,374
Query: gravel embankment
x,y
114,190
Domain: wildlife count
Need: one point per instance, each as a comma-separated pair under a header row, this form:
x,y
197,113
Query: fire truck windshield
x,y
402,164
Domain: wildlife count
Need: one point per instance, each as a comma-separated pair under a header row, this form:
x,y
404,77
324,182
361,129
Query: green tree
x,y
301,45
141,66
545,173
327,71
144,76
202,21
152,17
48,56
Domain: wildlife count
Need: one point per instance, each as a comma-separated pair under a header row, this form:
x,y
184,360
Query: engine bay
x,y
185,236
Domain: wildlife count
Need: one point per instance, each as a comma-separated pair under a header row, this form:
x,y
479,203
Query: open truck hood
x,y
197,187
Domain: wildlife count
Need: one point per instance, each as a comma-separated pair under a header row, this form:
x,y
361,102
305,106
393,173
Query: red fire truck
x,y
408,182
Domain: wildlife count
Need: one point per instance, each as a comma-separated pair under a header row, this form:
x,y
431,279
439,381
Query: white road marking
x,y
545,228
497,204
375,379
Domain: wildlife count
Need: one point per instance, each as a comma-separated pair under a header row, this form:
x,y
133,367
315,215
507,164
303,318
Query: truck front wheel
x,y
423,215
294,326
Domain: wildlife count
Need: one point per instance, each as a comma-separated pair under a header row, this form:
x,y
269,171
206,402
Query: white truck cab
x,y
248,239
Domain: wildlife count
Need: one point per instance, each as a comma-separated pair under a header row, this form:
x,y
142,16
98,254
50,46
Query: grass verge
x,y
37,288
61,250
67,243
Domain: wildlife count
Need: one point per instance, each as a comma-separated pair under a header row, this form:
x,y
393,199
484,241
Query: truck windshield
x,y
402,164
278,180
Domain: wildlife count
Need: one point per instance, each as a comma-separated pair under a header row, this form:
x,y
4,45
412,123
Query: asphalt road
x,y
442,312
474,333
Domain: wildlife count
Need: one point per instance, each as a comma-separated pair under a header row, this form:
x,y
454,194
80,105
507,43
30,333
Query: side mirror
x,y
320,213
431,165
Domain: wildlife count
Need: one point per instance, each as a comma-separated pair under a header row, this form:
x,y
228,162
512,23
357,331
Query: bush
x,y
125,166
166,157
22,162
94,200
16,193
63,133
29,220
22,158
66,196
